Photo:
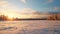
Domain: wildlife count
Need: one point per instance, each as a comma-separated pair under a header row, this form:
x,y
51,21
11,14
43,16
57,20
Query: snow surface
x,y
30,27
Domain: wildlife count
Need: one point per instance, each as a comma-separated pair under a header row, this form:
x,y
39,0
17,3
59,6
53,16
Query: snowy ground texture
x,y
30,27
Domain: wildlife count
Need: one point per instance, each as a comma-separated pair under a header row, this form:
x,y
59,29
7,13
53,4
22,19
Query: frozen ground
x,y
30,27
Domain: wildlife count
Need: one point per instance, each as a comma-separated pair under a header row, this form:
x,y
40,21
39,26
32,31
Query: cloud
x,y
3,3
52,10
32,13
27,11
48,1
56,8
7,8
24,1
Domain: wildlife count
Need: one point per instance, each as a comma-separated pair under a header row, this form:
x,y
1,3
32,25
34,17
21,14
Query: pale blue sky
x,y
29,5
39,5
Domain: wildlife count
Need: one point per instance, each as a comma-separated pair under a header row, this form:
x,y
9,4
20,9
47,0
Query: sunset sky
x,y
28,8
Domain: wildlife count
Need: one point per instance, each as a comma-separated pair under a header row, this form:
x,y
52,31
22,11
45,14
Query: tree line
x,y
3,17
52,17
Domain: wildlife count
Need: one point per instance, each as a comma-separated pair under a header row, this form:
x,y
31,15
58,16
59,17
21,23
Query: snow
x,y
30,27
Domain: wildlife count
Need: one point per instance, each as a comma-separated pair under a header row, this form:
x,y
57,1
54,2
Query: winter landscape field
x,y
30,27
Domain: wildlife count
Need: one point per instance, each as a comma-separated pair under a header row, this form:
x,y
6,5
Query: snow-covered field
x,y
30,27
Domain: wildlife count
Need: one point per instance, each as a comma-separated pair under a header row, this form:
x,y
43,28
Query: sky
x,y
28,7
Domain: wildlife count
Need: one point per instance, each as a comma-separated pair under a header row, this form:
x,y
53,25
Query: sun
x,y
11,16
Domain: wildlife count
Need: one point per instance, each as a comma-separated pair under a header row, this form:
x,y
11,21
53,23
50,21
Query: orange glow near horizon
x,y
10,16
15,15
